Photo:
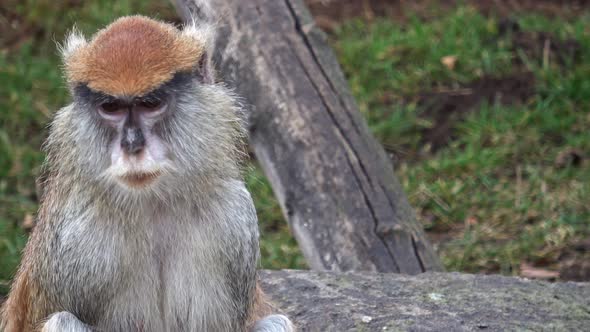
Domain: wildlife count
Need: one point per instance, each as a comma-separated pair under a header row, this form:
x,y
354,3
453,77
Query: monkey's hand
x,y
64,322
273,323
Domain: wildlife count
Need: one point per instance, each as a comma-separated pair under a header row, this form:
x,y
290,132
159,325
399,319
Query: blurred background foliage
x,y
484,110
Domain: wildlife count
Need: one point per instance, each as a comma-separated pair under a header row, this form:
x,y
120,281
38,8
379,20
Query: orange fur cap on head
x,y
133,55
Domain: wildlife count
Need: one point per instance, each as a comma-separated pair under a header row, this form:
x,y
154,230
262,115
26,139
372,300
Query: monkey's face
x,y
162,139
146,111
137,153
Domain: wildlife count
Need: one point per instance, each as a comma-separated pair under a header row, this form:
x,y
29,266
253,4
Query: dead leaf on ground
x,y
449,61
531,272
28,222
388,52
471,221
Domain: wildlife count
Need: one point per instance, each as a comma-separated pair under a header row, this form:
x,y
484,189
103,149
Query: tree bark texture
x,y
334,182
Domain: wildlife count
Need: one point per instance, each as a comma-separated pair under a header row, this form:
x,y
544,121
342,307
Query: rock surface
x,y
325,301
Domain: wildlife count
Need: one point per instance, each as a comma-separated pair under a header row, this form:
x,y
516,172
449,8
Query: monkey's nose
x,y
133,141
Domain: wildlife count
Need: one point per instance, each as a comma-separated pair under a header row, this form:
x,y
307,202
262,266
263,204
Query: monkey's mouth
x,y
140,179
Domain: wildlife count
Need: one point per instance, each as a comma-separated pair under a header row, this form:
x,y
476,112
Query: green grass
x,y
493,195
495,190
387,63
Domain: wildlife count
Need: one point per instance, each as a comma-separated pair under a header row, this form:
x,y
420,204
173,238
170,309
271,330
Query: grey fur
x,y
177,255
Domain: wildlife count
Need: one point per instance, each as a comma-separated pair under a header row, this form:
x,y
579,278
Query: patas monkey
x,y
145,224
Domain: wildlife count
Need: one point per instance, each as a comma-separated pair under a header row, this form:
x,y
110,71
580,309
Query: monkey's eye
x,y
111,106
150,104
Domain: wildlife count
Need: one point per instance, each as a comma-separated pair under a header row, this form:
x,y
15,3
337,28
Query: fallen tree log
x,y
334,182
324,301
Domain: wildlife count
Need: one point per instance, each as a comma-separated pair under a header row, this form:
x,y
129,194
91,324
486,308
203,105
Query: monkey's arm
x,y
16,309
26,307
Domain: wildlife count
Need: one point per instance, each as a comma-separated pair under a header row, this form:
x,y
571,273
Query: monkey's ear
x,y
204,35
75,40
